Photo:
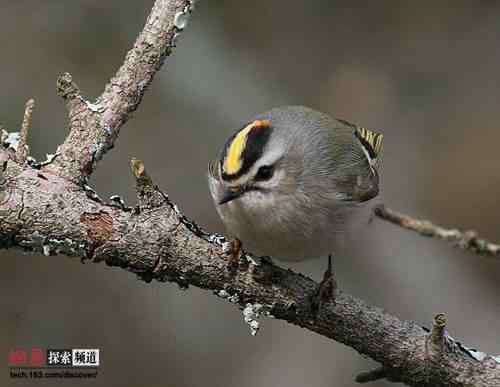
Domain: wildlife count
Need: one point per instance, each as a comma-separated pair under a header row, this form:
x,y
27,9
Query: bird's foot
x,y
326,289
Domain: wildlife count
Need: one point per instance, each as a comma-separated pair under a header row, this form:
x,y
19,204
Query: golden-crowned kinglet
x,y
286,182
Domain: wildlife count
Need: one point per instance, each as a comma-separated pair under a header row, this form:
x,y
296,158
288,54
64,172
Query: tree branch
x,y
465,240
45,209
94,127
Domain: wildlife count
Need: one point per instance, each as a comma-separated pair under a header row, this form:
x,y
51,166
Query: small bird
x,y
290,180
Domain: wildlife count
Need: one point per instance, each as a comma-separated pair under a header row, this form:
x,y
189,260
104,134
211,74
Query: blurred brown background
x,y
426,76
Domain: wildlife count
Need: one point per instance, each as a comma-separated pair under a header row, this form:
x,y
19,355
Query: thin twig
x,y
465,240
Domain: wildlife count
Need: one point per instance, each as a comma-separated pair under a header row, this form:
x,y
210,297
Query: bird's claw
x,y
325,291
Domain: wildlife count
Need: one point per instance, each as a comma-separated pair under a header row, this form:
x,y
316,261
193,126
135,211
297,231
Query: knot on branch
x,y
148,195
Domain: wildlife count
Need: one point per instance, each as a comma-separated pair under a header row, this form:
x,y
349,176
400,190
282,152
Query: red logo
x,y
18,357
37,357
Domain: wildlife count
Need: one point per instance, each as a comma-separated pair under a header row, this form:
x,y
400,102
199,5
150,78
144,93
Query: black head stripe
x,y
256,140
366,145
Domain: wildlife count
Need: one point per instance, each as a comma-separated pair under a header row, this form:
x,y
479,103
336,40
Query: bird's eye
x,y
264,173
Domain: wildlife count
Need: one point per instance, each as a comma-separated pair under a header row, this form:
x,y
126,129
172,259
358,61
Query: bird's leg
x,y
234,251
326,289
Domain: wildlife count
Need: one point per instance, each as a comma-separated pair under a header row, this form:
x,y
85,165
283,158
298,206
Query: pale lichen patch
x,y
251,314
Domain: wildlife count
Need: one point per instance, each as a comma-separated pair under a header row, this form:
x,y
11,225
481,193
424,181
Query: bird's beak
x,y
231,194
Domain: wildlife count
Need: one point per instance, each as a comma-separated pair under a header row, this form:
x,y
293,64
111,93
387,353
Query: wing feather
x,y
361,149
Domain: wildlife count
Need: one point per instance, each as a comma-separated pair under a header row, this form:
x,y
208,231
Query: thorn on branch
x,y
23,149
66,88
437,335
148,195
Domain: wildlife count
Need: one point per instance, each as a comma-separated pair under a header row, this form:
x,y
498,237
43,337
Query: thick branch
x,y
465,240
46,213
94,127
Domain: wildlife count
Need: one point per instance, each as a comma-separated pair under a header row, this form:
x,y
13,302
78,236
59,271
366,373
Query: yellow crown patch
x,y
233,161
